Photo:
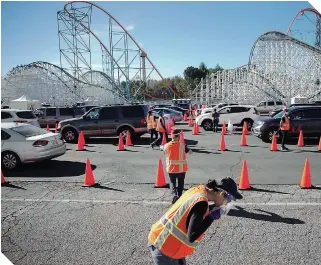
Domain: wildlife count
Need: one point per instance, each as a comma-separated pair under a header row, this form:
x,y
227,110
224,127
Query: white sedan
x,y
25,143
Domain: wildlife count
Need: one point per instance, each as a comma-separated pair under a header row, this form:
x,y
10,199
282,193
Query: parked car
x,y
305,118
276,111
179,109
264,107
17,115
176,115
25,143
217,107
53,115
110,120
237,114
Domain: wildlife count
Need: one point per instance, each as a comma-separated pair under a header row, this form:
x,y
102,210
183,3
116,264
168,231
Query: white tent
x,y
24,103
299,99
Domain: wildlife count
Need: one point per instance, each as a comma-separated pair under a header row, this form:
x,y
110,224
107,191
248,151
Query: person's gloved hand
x,y
216,214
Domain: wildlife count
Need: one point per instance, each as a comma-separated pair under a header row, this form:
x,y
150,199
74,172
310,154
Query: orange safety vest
x,y
169,234
285,126
175,157
159,126
151,123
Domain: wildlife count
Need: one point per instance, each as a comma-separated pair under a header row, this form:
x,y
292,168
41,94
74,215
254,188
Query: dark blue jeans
x,y
177,189
160,259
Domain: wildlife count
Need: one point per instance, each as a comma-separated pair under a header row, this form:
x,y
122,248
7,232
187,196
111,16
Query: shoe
x,y
175,198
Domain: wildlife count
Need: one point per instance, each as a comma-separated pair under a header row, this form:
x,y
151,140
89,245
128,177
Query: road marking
x,y
162,202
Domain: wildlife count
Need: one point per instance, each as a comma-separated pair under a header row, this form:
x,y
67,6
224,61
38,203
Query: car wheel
x,y
10,161
123,131
267,137
70,135
249,123
207,125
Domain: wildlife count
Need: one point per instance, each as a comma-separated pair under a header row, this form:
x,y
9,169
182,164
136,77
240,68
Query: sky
x,y
175,35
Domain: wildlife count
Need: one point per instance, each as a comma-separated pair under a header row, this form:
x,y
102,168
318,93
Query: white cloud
x,y
128,28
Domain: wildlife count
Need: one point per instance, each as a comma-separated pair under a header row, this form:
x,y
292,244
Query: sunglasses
x,y
228,197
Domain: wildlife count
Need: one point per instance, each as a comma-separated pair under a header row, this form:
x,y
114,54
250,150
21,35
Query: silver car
x,y
169,113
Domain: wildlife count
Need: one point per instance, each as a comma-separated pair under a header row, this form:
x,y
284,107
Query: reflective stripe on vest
x,y
175,165
169,234
159,127
151,124
285,125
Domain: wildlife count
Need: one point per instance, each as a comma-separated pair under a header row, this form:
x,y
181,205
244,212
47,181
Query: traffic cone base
x,y
244,178
89,176
160,177
121,146
306,176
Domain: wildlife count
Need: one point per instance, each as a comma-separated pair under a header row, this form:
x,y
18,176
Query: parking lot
x,y
49,218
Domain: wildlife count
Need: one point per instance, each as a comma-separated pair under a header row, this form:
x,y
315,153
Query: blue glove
x,y
216,214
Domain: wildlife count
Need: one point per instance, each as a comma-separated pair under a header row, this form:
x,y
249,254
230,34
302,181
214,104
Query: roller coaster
x,y
281,65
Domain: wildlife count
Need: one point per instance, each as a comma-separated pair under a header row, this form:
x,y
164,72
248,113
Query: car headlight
x,y
258,124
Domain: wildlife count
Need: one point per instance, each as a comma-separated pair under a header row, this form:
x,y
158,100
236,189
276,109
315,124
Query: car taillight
x,y
143,121
40,143
21,121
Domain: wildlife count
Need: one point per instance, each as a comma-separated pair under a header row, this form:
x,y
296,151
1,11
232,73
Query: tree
x,y
203,68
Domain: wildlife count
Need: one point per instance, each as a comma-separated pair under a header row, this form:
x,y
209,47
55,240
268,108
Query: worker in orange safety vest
x,y
284,127
179,231
161,129
151,126
176,164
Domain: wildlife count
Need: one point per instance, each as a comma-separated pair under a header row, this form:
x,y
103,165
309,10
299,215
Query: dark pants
x,y
284,137
160,138
152,133
160,259
215,125
177,190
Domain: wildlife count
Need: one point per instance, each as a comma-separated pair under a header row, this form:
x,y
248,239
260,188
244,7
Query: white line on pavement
x,y
161,202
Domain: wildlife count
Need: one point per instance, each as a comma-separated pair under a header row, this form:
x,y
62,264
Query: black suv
x,y
107,121
305,118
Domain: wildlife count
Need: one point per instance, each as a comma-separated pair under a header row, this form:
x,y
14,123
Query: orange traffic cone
x,y
2,178
81,142
190,123
121,146
169,128
245,129
244,178
274,146
185,117
128,139
224,128
301,140
222,145
181,137
306,176
243,139
319,147
56,127
89,177
195,129
160,177
47,129
164,140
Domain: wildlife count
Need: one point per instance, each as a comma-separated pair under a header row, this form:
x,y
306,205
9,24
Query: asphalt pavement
x,y
49,218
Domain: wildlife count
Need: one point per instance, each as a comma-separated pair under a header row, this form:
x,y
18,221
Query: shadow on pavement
x,y
269,191
195,150
191,142
307,151
52,168
269,217
10,185
98,186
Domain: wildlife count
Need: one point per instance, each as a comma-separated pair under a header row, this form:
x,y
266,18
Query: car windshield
x,y
280,114
29,130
